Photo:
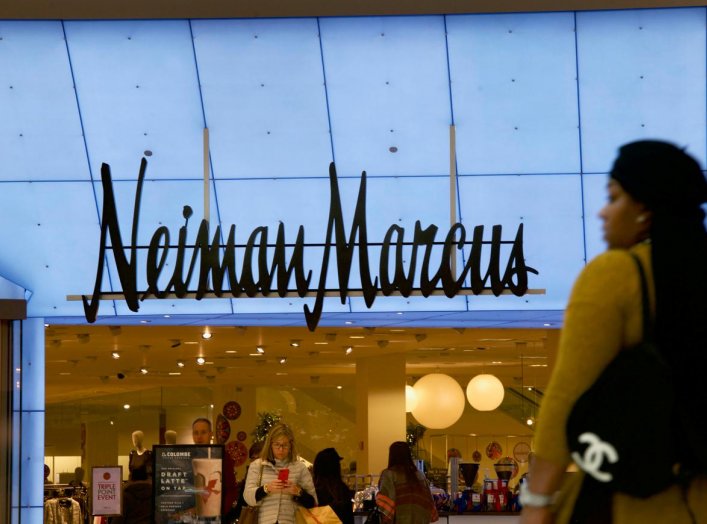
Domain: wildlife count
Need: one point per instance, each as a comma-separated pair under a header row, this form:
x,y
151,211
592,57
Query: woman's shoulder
x,y
257,464
611,272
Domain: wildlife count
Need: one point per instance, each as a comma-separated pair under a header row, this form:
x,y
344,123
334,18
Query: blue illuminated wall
x,y
540,103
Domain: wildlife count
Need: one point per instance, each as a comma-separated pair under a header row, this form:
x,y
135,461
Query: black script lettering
x,y
154,268
516,267
426,237
283,270
401,282
449,284
177,282
344,250
127,270
279,270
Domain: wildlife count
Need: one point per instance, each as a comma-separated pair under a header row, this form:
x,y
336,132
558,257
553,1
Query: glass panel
x,y
641,75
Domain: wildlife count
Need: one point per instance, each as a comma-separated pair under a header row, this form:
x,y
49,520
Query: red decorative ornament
x,y
242,435
232,410
223,429
237,451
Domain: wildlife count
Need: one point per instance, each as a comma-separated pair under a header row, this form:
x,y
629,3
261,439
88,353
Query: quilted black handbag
x,y
619,431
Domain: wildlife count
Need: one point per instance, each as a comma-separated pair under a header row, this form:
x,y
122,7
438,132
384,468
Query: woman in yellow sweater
x,y
655,193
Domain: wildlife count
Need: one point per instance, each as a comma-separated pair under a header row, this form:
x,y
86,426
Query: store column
x,y
380,409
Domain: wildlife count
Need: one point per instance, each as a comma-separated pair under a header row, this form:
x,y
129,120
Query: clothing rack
x,y
65,504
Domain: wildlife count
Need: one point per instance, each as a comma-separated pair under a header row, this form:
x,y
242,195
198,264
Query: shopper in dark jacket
x,y
331,489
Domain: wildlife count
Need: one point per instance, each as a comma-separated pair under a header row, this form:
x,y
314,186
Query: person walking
x,y
404,495
278,481
654,211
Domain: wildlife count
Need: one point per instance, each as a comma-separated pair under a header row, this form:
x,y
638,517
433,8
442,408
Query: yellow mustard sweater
x,y
604,315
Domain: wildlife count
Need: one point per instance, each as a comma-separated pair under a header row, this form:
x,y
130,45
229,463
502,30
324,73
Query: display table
x,y
463,518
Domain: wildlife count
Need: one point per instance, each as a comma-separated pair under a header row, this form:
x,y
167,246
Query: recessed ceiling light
x,y
126,406
180,363
200,360
143,371
283,360
348,322
206,335
115,355
349,350
295,343
260,349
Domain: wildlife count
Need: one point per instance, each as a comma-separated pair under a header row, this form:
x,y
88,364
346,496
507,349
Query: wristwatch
x,y
534,500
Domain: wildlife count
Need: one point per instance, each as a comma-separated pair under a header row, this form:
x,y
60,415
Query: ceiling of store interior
x,y
80,365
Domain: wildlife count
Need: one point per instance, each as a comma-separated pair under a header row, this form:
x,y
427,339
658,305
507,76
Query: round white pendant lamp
x,y
440,401
410,399
485,392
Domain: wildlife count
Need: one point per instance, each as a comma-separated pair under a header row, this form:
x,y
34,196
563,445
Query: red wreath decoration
x,y
237,451
232,410
223,429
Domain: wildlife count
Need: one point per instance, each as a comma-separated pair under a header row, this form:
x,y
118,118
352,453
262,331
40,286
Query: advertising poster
x,y
106,490
187,484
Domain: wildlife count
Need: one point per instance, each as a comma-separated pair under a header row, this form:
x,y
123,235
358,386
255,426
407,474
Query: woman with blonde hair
x,y
278,481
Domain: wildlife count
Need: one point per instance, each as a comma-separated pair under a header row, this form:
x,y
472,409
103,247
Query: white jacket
x,y
277,507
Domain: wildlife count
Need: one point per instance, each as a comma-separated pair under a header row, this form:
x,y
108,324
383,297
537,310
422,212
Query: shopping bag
x,y
318,515
249,515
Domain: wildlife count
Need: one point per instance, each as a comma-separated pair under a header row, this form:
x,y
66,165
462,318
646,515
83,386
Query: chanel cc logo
x,y
594,455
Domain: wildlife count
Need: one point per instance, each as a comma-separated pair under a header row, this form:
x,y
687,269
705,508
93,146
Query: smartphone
x,y
283,474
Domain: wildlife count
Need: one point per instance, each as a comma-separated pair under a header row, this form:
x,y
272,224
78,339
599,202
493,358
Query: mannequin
x,y
77,481
170,437
140,464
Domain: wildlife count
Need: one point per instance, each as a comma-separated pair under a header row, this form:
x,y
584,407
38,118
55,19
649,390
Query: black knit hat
x,y
660,175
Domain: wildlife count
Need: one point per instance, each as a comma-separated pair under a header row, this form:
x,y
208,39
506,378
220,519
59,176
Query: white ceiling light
x,y
410,398
485,392
440,401
115,355
206,335
260,349
200,360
